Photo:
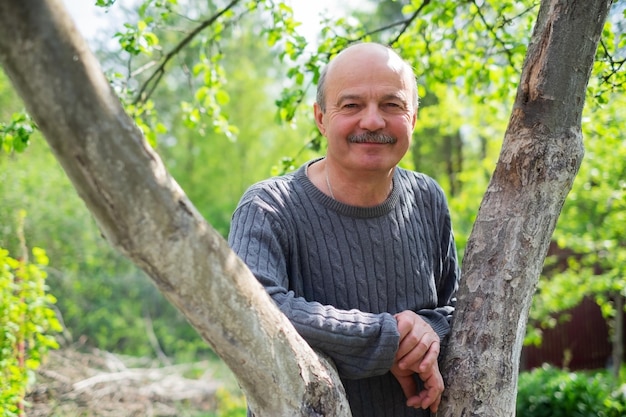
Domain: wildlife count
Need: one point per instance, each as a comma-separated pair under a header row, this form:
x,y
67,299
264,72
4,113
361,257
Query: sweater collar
x,y
346,209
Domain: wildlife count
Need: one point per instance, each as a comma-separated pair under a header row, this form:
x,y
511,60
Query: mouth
x,y
372,137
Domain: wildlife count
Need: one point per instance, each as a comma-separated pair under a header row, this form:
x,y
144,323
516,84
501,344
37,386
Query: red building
x,y
583,342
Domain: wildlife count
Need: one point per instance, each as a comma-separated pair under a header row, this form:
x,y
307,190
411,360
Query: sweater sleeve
x,y
361,344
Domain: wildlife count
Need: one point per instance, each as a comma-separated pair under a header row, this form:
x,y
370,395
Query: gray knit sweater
x,y
340,272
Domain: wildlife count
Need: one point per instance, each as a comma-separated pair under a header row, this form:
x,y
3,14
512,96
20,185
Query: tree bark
x,y
143,213
540,157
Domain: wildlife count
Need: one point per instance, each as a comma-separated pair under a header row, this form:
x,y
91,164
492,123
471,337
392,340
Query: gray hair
x,y
320,98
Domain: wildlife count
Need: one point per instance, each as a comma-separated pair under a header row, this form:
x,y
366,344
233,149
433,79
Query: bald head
x,y
364,56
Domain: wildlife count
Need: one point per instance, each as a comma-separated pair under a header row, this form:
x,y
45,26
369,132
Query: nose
x,y
372,119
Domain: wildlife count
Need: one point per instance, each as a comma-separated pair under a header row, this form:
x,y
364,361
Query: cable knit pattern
x,y
340,272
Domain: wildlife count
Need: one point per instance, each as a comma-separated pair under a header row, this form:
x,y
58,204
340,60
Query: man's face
x,y
370,97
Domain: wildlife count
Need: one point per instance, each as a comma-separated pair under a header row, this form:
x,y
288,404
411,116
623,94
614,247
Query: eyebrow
x,y
398,97
348,97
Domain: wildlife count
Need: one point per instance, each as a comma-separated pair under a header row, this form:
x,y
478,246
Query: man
x,y
357,252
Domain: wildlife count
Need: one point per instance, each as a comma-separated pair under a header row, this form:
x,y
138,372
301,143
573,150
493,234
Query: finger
x,y
430,358
405,325
426,399
408,385
421,356
435,406
411,352
418,339
415,402
430,397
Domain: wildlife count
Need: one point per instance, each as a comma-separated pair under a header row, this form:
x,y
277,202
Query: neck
x,y
357,189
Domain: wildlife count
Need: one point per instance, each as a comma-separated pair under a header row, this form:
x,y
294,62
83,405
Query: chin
x,y
377,164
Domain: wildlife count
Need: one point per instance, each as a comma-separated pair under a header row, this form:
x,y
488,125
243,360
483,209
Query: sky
x,y
91,19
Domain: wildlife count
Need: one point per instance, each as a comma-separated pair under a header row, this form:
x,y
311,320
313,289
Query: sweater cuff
x,y
437,321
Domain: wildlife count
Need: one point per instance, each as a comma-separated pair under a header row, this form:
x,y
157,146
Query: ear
x,y
414,118
319,118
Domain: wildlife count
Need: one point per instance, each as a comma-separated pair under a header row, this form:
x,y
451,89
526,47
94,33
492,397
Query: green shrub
x,y
229,404
26,324
552,392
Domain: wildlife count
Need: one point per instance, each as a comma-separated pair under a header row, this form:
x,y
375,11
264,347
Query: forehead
x,y
369,70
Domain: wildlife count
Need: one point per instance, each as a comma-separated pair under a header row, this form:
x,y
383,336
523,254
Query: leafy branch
x,y
15,135
494,32
153,80
407,22
616,67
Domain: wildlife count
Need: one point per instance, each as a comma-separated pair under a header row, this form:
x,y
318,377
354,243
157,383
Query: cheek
x,y
403,130
339,126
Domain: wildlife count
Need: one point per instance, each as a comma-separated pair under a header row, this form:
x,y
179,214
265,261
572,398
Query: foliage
x,y
591,240
230,404
171,40
27,325
610,76
551,392
16,127
15,135
104,300
86,274
215,169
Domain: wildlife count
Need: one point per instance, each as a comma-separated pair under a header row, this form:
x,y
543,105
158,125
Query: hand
x,y
417,354
419,344
430,397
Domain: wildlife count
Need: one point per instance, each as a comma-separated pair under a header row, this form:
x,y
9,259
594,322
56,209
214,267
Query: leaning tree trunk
x,y
540,157
144,214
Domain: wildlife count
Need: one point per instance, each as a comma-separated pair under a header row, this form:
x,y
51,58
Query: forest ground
x,y
87,383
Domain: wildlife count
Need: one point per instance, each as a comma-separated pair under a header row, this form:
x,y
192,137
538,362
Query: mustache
x,y
371,137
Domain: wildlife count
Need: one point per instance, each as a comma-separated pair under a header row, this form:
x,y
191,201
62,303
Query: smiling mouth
x,y
372,137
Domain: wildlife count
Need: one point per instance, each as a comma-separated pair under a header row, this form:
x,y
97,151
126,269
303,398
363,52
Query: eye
x,y
393,106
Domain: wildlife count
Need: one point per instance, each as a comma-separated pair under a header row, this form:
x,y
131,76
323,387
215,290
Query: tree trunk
x,y
540,157
144,214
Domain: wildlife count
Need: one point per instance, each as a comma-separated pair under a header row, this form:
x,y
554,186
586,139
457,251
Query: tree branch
x,y
160,70
615,65
407,22
493,30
